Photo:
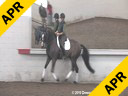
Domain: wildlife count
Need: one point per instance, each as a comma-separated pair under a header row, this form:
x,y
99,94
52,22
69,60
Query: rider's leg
x,y
62,41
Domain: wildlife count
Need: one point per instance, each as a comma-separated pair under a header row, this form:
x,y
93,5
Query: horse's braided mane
x,y
50,31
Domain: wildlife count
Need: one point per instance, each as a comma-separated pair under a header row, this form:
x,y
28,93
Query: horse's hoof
x,y
75,82
58,80
66,80
42,80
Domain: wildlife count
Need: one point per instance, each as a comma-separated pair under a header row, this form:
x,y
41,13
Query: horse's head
x,y
47,36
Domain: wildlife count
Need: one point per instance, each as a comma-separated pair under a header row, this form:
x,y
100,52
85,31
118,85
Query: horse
x,y
53,52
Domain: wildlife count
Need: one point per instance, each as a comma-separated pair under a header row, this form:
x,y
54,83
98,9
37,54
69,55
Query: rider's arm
x,y
61,33
56,24
58,34
61,28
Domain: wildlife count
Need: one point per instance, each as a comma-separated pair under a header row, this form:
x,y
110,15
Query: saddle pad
x,y
67,44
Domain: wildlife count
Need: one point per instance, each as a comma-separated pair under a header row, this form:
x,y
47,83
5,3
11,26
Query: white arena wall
x,y
28,68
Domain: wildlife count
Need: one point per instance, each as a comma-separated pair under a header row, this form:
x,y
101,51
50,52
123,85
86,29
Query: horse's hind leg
x,y
53,68
77,71
72,70
75,67
43,73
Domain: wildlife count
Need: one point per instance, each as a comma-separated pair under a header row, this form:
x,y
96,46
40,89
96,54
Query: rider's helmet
x,y
56,16
62,15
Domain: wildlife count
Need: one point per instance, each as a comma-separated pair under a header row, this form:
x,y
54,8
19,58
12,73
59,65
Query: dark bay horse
x,y
53,53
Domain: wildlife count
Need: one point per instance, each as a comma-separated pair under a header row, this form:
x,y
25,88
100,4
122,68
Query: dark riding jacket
x,y
61,26
56,25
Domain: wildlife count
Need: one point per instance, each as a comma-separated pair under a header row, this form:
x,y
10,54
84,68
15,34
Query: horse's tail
x,y
85,56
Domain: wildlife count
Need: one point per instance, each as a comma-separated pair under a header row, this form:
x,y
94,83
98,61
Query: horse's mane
x,y
51,32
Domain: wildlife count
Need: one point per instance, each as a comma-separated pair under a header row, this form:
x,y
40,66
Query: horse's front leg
x,y
43,73
53,68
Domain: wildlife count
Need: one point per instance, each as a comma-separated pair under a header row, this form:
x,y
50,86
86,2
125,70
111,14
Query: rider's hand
x,y
58,34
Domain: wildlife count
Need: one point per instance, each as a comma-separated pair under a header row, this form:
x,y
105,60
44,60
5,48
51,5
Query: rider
x,y
56,24
60,32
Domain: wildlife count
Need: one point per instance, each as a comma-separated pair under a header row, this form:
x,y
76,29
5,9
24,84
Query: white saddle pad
x,y
67,44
